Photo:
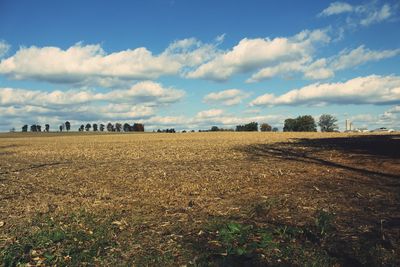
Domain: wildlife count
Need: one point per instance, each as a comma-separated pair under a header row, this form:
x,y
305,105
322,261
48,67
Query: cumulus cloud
x,y
211,113
228,97
373,121
205,122
89,113
142,92
325,68
139,102
207,118
230,121
372,89
251,54
91,65
4,47
395,109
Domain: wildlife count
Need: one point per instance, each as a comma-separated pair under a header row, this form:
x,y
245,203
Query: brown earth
x,y
168,195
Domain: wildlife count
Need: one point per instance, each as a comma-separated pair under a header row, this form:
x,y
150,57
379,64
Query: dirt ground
x,y
218,199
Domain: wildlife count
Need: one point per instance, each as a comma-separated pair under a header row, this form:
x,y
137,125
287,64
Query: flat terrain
x,y
219,199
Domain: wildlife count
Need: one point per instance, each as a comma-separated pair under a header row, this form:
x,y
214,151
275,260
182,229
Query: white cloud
x,y
191,52
91,65
395,109
364,15
347,59
372,121
318,70
279,69
228,97
336,8
376,16
372,89
325,68
142,92
4,47
138,103
251,54
211,113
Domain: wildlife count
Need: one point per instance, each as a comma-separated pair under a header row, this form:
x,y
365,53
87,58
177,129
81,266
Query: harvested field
x,y
218,199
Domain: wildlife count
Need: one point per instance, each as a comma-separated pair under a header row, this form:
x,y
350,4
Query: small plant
x,y
234,236
324,222
237,244
264,207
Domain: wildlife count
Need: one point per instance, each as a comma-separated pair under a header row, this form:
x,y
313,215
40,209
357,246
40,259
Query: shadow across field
x,y
363,189
379,147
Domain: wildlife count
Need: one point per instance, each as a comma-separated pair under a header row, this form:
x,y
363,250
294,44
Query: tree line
x,y
306,123
117,127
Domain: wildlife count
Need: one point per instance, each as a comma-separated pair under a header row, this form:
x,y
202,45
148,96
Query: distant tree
x,y
25,128
300,124
127,127
306,124
265,127
138,127
12,130
47,127
95,127
67,126
327,123
81,128
118,127
289,125
110,127
38,128
250,127
87,127
61,127
33,128
101,127
214,129
275,129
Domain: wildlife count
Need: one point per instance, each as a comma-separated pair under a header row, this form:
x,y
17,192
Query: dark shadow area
x,y
383,146
367,164
310,150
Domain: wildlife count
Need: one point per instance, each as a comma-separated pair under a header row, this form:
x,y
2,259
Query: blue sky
x,y
194,64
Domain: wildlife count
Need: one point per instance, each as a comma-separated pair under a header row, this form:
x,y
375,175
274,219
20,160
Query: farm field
x,y
200,199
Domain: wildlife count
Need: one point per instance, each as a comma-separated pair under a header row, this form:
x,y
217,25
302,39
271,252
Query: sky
x,y
189,64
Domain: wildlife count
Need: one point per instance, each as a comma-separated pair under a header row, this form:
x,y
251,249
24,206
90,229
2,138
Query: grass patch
x,y
77,239
235,243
